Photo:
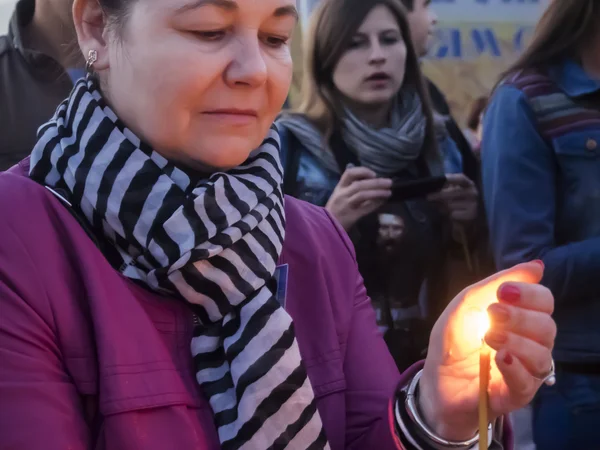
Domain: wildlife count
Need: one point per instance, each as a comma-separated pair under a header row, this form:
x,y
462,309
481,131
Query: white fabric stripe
x,y
271,332
224,401
59,149
134,164
153,203
268,230
205,344
246,313
257,392
96,174
224,281
233,214
75,160
243,192
194,297
208,376
267,260
306,436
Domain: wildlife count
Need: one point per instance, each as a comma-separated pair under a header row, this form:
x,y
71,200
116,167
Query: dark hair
x,y
409,4
475,111
117,11
332,27
564,29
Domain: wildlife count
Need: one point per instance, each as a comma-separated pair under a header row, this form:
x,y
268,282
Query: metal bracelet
x,y
413,413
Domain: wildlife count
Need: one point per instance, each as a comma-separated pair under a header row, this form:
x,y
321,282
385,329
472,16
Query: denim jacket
x,y
543,201
315,183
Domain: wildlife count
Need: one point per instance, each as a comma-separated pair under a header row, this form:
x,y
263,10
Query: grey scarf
x,y
386,151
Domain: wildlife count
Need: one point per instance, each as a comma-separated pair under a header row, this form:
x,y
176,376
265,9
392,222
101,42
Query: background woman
x,y
541,160
138,265
364,104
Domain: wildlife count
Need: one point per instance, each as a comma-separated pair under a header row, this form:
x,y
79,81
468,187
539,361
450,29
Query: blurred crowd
x,y
430,205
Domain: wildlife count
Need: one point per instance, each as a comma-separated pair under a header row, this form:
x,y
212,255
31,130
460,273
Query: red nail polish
x,y
508,359
509,294
540,262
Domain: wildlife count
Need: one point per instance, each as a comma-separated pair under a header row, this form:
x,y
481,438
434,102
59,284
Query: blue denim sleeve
x,y
452,157
519,184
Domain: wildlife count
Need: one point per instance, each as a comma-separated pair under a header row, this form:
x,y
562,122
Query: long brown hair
x,y
332,28
565,28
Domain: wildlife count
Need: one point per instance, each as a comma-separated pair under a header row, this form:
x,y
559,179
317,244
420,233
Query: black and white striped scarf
x,y
213,243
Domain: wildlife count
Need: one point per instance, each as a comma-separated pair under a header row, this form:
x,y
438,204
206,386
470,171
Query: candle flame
x,y
482,323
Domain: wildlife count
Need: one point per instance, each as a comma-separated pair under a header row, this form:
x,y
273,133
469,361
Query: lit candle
x,y
484,382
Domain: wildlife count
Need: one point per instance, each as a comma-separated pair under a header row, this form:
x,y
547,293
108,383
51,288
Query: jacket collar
x,y
20,19
573,80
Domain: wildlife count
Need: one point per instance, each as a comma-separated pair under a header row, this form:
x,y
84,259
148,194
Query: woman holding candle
x,y
541,174
157,290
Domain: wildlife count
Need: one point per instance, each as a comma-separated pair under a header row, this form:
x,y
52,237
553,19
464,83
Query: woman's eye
x,y
216,35
356,44
275,41
389,40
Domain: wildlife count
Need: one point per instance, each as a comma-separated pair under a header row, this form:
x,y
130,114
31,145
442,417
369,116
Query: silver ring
x,y
550,378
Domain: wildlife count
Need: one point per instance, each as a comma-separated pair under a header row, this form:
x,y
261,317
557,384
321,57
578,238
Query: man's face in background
x,y
391,230
422,21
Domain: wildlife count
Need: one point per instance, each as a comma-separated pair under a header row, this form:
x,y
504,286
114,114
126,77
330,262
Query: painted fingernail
x,y
496,337
508,359
499,314
509,294
539,262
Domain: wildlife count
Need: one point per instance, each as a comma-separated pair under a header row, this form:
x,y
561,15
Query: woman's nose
x,y
377,55
248,66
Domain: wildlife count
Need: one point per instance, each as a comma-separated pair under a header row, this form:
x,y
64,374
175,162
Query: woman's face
x,y
201,81
371,72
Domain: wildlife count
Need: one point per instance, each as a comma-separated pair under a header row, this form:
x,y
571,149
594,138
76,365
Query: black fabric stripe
x,y
265,242
213,388
136,195
226,266
247,256
97,141
265,362
209,360
294,428
196,222
256,323
68,131
209,288
170,204
112,171
271,220
320,442
231,327
269,406
199,311
234,198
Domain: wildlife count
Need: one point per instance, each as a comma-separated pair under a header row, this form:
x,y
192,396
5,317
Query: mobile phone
x,y
406,190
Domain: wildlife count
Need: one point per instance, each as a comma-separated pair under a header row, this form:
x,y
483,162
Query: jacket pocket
x,y
581,144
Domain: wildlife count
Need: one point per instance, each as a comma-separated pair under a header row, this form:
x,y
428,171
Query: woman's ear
x,y
91,26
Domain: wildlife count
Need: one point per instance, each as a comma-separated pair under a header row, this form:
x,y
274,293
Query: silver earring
x,y
91,59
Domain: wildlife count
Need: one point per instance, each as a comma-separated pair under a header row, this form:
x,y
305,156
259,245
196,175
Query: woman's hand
x,y
458,198
521,336
358,193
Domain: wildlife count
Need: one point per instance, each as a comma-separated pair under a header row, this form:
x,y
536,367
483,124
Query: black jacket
x,y
32,85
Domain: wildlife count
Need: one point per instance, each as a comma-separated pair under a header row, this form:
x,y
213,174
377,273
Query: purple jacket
x,y
89,359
